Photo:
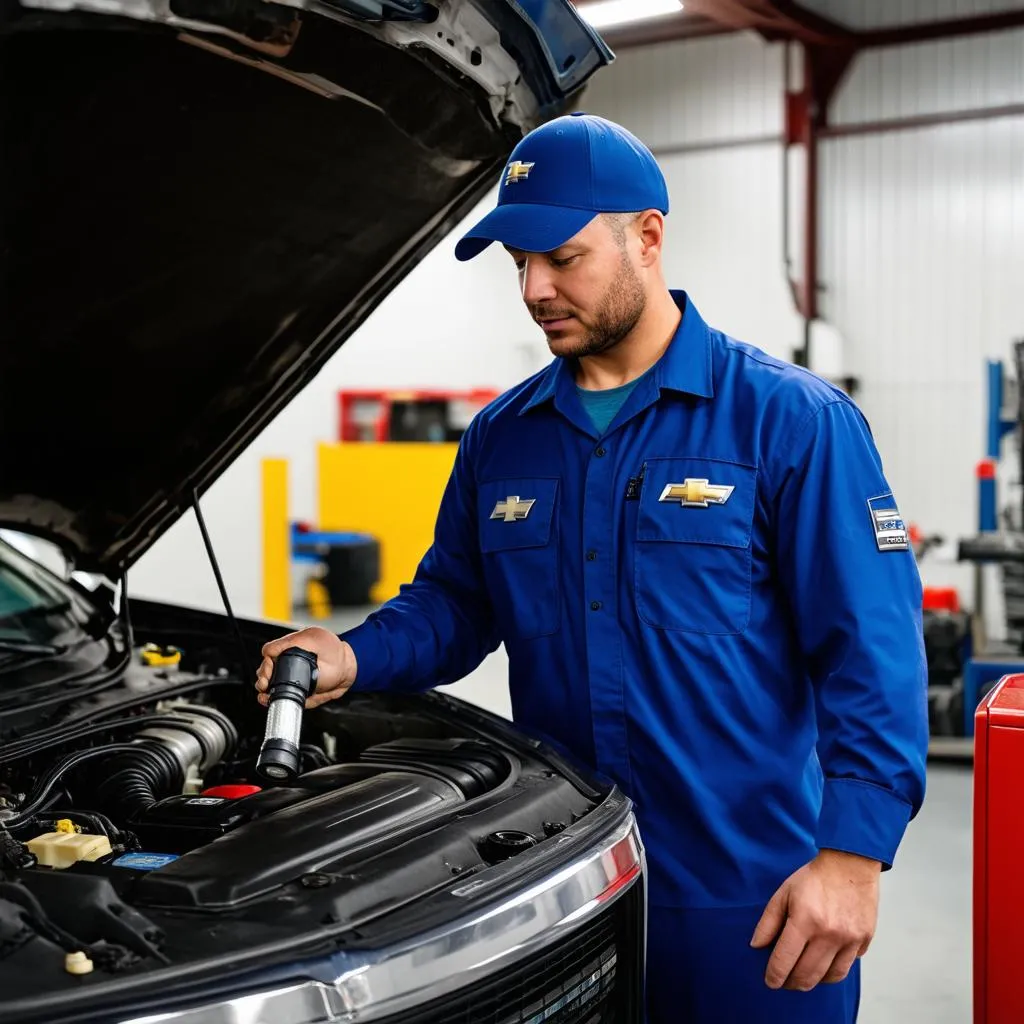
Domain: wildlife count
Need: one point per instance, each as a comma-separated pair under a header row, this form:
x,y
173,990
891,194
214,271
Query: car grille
x,y
591,976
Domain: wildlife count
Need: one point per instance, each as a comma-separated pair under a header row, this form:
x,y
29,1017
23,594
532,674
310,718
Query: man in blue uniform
x,y
705,589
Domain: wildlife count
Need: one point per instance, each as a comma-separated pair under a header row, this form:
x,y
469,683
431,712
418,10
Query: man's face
x,y
586,295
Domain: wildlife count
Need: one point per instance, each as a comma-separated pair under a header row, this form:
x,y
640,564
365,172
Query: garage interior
x,y
847,180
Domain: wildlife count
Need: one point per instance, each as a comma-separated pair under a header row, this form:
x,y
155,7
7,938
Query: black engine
x,y
109,850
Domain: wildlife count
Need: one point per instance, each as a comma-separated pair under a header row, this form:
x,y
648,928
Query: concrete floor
x,y
918,970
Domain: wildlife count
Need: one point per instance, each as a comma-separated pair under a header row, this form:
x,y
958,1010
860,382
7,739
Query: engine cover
x,y
301,837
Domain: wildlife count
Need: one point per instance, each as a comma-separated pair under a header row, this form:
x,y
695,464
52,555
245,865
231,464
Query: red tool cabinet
x,y
999,854
374,415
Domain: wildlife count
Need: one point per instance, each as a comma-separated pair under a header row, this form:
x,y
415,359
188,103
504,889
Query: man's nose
x,y
537,281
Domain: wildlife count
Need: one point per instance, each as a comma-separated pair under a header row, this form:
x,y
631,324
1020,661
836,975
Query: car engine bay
x,y
136,834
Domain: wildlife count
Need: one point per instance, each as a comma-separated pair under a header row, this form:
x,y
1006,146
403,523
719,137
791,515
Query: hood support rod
x,y
243,654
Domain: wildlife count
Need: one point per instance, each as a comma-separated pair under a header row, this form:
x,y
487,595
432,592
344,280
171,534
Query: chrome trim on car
x,y
450,958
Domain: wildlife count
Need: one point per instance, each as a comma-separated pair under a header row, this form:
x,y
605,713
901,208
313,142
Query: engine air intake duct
x,y
189,738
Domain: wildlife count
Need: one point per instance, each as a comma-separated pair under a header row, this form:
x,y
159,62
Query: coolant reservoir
x,y
62,849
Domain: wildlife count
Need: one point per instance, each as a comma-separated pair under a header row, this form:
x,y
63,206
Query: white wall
x,y
712,112
922,246
463,325
448,324
923,262
716,90
922,232
947,76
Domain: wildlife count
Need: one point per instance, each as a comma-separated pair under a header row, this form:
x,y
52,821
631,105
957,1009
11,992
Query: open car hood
x,y
202,199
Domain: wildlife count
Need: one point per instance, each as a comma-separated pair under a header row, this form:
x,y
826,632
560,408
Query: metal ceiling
x,y
868,14
826,49
788,20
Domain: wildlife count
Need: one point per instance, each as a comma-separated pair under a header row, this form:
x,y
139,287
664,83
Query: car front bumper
x,y
455,961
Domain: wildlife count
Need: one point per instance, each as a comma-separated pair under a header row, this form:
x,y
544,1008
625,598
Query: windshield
x,y
35,605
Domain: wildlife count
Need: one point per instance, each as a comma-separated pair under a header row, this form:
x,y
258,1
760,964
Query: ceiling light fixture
x,y
608,13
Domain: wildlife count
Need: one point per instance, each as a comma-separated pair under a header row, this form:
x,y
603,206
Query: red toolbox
x,y
999,854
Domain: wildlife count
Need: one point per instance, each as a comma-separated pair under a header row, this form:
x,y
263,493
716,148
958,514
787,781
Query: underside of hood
x,y
197,213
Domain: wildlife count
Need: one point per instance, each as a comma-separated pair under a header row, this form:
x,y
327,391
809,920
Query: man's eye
x,y
567,261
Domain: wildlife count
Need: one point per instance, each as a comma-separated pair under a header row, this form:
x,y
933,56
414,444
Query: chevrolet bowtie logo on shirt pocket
x,y
693,569
512,508
519,553
697,493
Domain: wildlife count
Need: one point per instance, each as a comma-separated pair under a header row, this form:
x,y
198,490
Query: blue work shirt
x,y
701,602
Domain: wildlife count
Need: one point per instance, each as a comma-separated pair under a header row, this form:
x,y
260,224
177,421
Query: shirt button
x,y
600,452
591,556
595,606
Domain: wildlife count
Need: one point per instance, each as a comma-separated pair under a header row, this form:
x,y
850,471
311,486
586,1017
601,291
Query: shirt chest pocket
x,y
692,559
518,530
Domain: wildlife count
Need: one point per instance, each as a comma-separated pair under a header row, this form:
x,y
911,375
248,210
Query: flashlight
x,y
294,679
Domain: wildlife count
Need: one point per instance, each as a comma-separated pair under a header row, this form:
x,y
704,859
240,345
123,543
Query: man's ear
x,y
650,227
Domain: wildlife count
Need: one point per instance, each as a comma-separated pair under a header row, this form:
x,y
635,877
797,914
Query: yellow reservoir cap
x,y
62,849
156,656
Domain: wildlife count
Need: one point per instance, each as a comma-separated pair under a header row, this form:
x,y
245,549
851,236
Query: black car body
x,y
201,200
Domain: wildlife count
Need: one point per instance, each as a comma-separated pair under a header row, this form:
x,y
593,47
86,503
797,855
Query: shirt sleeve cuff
x,y
373,656
862,818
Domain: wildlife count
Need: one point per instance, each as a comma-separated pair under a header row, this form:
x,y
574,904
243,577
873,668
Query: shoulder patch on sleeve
x,y
887,523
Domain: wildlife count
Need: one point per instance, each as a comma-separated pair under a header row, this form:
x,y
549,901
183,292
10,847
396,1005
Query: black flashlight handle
x,y
293,680
295,675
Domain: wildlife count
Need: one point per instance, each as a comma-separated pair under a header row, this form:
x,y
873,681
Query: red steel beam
x,y
803,25
930,30
790,20
775,19
806,115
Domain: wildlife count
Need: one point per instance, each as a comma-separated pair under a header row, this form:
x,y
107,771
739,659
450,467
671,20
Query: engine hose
x,y
152,766
88,724
37,798
138,779
25,748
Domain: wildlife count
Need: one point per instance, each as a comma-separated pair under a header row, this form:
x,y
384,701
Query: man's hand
x,y
827,912
336,663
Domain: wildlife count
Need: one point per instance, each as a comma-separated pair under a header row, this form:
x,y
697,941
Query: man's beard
x,y
618,314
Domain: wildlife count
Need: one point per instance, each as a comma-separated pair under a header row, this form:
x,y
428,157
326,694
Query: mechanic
x,y
704,587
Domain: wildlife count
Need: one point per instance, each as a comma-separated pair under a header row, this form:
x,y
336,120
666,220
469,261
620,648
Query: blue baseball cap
x,y
560,177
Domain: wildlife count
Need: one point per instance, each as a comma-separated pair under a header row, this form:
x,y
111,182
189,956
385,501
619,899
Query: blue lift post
x,y
979,670
998,428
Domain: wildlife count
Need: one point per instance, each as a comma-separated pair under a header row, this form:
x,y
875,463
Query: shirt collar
x,y
686,365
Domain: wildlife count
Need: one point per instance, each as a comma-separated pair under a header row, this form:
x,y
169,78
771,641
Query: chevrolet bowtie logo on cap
x,y
588,165
517,171
512,508
693,493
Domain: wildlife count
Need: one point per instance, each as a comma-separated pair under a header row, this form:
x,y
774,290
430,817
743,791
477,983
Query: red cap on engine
x,y
231,792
